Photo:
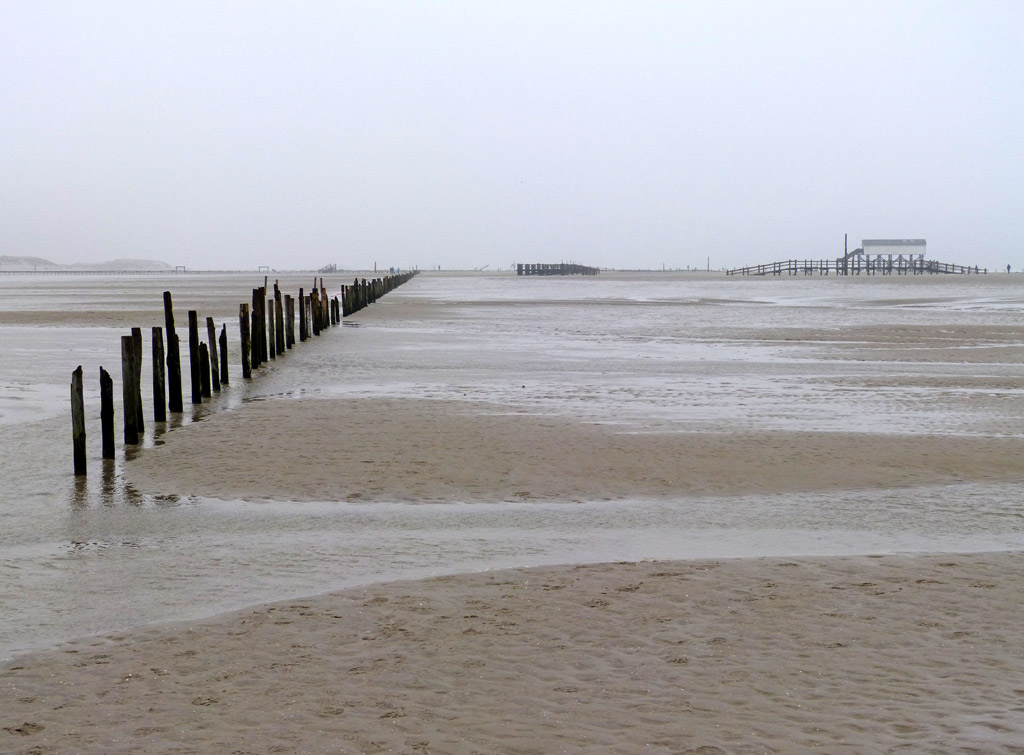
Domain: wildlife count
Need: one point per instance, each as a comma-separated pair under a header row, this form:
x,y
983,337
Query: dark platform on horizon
x,y
560,268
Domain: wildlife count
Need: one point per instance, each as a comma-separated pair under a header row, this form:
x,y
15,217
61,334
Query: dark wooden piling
x,y
131,429
243,330
78,420
211,333
254,333
137,343
271,337
303,327
107,413
264,333
224,354
289,315
193,357
279,319
204,370
159,393
173,358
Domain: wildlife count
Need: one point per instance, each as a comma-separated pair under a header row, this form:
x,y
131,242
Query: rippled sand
x,y
788,655
839,655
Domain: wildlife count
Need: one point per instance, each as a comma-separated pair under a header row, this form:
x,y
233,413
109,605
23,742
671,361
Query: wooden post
x,y
243,328
107,413
271,335
159,395
78,420
224,354
279,317
173,358
303,328
204,369
137,343
211,332
193,357
131,429
289,314
253,330
264,333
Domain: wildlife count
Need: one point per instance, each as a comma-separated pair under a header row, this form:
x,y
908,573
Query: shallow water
x,y
645,352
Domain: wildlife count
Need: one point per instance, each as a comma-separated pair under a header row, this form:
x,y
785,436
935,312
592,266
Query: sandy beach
x,y
421,450
771,655
783,654
838,655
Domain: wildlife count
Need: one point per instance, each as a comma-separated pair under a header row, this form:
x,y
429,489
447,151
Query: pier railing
x,y
860,265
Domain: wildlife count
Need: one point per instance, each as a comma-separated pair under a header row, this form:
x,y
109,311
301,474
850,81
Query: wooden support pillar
x,y
159,393
193,357
224,354
131,429
78,421
107,413
303,328
173,358
243,328
211,333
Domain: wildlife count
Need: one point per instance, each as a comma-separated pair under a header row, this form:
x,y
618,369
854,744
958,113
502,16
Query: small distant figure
x,y
1007,268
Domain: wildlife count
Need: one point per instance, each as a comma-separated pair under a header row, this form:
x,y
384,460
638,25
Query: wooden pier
x,y
858,263
561,268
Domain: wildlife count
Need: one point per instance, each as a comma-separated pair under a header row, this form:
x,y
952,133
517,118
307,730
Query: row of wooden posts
x,y
267,330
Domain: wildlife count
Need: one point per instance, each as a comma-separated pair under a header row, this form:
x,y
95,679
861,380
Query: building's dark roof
x,y
892,242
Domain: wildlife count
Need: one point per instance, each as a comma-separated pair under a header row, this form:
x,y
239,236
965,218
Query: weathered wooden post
x,y
78,420
264,333
211,332
131,429
204,369
289,314
279,318
159,394
107,413
193,357
173,358
303,328
224,354
271,336
137,343
243,329
254,332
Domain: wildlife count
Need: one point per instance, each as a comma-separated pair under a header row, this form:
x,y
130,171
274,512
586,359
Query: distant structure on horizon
x,y
561,268
872,257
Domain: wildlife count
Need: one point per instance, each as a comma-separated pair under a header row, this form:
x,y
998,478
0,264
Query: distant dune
x,y
38,263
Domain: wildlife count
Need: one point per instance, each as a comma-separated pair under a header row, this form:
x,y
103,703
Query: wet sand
x,y
423,450
784,655
838,655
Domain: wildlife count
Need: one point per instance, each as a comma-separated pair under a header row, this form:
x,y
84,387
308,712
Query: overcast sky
x,y
462,134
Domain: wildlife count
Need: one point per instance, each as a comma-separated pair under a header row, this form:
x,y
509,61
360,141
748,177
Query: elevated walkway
x,y
859,263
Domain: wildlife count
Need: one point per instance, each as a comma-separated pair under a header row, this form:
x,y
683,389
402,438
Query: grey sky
x,y
463,134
